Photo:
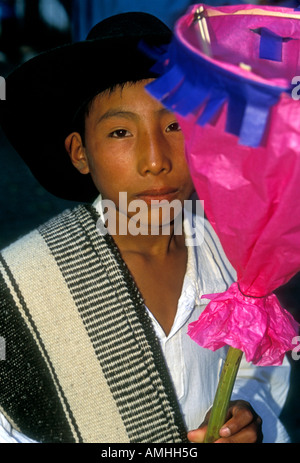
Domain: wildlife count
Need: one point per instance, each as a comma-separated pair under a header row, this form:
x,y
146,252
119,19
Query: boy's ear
x,y
76,151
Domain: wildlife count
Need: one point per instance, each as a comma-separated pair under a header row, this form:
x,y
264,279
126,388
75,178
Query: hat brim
x,y
44,94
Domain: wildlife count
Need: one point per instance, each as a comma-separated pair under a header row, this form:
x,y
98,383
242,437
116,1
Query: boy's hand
x,y
243,425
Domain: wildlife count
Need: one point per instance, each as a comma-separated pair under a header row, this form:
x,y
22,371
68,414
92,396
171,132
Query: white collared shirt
x,y
195,370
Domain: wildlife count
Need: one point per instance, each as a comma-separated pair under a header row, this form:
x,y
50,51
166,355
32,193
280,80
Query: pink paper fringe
x,y
260,327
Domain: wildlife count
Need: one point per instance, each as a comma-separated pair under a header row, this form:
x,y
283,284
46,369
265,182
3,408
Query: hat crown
x,y
132,24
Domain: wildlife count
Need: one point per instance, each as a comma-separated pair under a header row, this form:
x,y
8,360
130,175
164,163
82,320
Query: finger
x,y
241,418
246,435
197,435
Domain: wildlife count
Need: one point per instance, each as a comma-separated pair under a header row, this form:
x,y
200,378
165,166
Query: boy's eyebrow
x,y
117,112
120,112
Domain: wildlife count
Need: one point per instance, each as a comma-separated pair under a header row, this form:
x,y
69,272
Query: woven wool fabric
x,y
82,361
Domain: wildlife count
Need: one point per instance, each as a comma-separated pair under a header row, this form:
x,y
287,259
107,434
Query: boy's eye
x,y
120,133
174,127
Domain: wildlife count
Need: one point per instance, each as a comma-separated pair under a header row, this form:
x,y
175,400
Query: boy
x,y
95,319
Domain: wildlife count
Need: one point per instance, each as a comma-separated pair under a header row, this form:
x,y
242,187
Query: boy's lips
x,y
158,194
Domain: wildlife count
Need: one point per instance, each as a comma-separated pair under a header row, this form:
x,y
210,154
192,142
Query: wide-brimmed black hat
x,y
44,94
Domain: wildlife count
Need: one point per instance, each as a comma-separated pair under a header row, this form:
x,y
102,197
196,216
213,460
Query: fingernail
x,y
225,431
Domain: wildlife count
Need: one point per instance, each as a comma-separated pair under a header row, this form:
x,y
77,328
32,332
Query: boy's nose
x,y
153,156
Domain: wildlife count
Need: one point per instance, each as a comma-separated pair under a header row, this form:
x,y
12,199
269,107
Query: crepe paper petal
x,y
259,327
251,196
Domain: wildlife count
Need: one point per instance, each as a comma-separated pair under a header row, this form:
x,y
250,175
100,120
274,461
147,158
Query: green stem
x,y
223,394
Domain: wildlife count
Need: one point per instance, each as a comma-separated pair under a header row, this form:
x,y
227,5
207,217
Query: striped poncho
x,y
82,361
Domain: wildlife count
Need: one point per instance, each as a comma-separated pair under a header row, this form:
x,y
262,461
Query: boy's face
x,y
134,145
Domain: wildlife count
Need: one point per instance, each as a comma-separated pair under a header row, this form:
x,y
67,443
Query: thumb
x,y
197,435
